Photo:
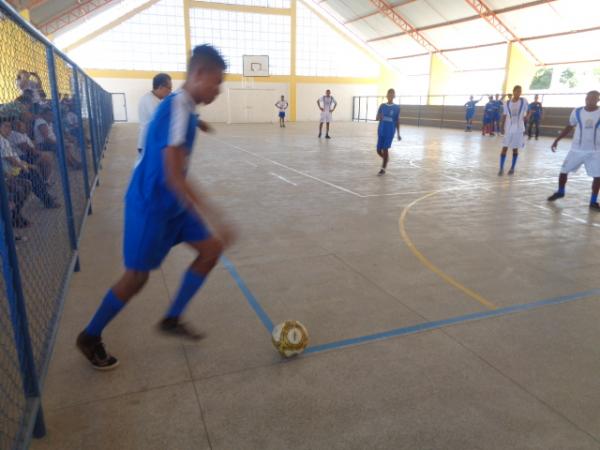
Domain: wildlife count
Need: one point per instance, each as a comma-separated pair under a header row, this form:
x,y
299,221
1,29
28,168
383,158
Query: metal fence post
x,y
80,136
16,306
60,148
91,127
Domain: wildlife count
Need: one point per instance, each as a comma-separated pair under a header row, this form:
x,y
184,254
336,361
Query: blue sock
x,y
514,162
107,311
502,160
561,190
594,198
190,284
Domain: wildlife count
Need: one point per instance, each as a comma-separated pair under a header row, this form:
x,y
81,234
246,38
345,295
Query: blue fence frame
x,y
24,362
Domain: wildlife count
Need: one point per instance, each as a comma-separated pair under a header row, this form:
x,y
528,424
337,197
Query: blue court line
x,y
260,312
426,326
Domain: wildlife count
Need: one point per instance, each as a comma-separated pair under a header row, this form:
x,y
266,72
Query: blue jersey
x,y
490,108
389,115
173,124
470,105
535,109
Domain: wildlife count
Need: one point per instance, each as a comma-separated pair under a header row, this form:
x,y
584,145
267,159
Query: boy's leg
x,y
514,161
320,128
209,251
327,130
562,182
595,188
502,160
89,340
530,128
537,129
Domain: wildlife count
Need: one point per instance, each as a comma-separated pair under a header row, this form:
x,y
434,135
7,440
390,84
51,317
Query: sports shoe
x,y
555,196
511,172
500,172
173,327
319,135
327,136
492,134
595,206
381,172
93,349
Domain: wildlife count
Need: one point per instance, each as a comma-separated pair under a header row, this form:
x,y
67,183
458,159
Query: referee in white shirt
x,y
161,87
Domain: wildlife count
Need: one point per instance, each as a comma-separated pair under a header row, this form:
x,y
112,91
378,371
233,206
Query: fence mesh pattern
x,y
48,159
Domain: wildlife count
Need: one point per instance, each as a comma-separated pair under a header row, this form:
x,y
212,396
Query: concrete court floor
x,y
320,241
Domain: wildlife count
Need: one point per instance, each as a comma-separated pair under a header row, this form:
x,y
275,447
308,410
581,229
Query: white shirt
x,y
282,105
328,103
587,131
515,114
18,139
37,134
146,108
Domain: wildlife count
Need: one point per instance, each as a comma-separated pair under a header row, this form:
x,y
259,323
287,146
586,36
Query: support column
x,y
519,68
439,77
293,97
186,29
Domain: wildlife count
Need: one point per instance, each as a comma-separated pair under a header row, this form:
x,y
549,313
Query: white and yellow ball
x,y
290,338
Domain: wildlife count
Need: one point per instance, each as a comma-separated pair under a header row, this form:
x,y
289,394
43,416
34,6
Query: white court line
x,y
283,179
250,164
299,172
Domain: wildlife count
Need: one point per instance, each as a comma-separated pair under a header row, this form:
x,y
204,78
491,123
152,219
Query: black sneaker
x,y
173,327
381,172
327,136
93,349
500,172
511,172
555,196
319,135
595,206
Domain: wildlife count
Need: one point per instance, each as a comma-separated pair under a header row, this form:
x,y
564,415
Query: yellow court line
x,y
427,263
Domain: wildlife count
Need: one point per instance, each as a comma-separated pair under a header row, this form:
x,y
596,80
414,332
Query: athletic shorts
x,y
487,119
576,158
148,237
469,115
514,139
282,114
384,141
326,117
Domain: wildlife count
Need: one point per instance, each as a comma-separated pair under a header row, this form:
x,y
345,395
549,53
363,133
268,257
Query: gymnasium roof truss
x,y
486,13
71,15
387,9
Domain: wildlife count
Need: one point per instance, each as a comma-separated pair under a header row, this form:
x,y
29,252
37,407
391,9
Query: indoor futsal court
x,y
299,224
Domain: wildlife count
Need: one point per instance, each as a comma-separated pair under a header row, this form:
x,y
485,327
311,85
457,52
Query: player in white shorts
x,y
282,105
327,105
585,148
513,124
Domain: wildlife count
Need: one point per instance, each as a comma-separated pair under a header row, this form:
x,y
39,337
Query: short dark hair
x,y
518,86
160,80
206,55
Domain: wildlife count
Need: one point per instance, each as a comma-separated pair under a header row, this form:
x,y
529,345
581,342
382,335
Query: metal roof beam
x,y
487,14
71,15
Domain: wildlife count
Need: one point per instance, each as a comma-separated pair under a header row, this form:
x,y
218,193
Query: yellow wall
x,y
440,73
519,68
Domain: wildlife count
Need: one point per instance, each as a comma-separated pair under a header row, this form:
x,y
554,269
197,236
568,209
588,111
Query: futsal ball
x,y
290,338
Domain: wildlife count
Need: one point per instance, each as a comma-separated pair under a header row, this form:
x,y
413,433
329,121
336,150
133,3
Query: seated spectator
x,y
28,153
30,81
18,192
45,139
14,166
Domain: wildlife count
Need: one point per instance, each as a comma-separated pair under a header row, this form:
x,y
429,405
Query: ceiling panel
x,y
419,14
501,4
398,46
534,21
364,30
451,9
578,14
574,47
493,57
412,66
473,32
349,9
382,24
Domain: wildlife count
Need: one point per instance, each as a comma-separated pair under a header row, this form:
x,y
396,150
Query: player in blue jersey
x,y
470,112
498,115
489,113
162,209
388,116
536,111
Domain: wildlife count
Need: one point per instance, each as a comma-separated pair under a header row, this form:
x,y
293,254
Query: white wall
x,y
307,95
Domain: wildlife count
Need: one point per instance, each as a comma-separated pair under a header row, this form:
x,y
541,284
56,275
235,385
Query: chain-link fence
x,y
54,124
449,111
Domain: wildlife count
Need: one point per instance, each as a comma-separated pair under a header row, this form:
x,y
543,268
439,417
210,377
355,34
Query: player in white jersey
x,y
585,148
327,105
513,123
282,105
161,87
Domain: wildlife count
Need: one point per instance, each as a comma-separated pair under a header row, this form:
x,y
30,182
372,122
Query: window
x,y
151,40
322,51
237,33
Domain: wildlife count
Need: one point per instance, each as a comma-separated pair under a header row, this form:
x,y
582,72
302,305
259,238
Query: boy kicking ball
x,y
162,209
389,125
585,148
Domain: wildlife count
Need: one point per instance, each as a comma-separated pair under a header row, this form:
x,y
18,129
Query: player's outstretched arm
x,y
568,129
205,127
194,201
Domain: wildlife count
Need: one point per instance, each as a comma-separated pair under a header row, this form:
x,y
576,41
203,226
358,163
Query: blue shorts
x,y
488,118
282,114
469,115
384,141
148,237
